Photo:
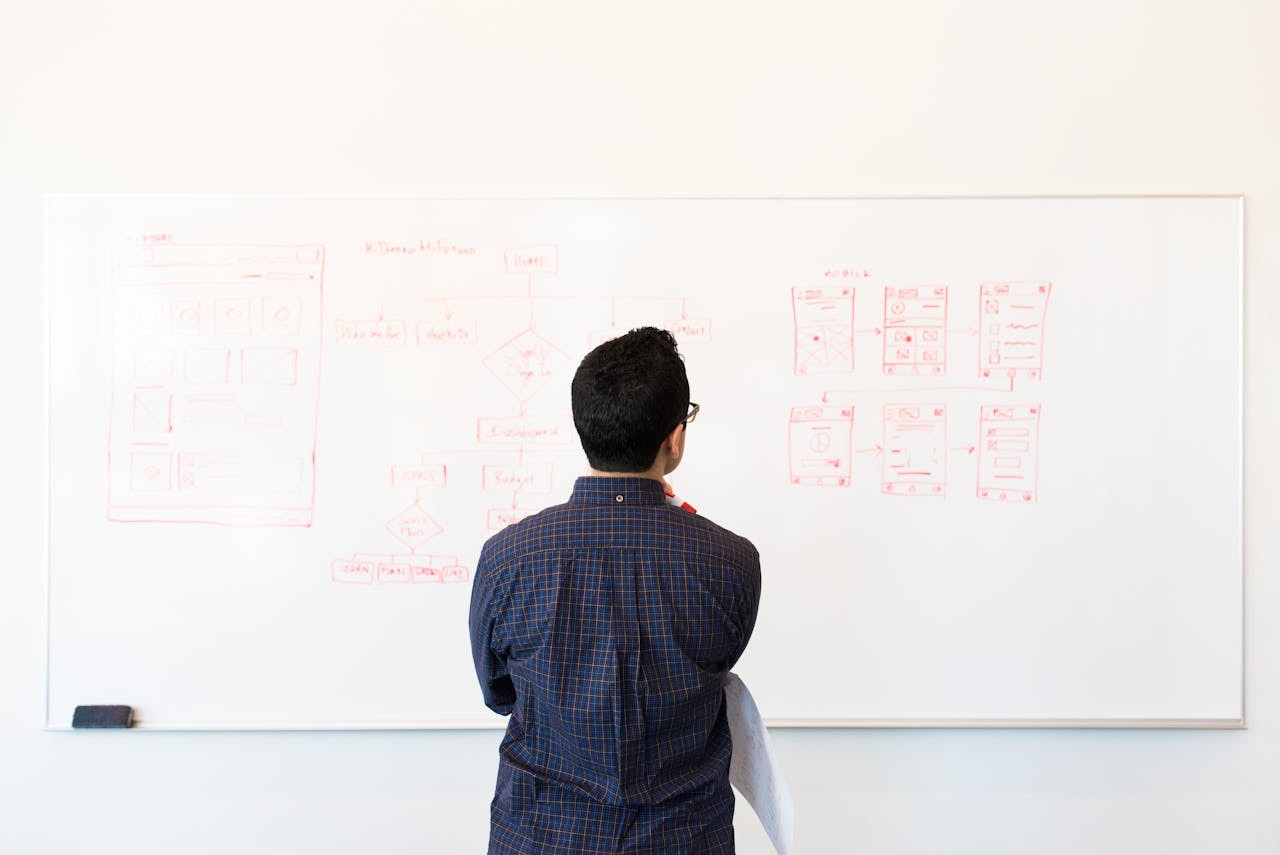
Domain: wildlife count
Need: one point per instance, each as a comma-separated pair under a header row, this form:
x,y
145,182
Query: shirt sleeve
x,y
491,665
747,607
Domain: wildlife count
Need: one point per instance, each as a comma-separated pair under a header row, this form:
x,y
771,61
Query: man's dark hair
x,y
628,395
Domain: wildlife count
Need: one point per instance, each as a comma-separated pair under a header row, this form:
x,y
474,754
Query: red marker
x,y
673,499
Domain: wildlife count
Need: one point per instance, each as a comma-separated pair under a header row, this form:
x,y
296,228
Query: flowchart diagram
x,y
911,441
514,459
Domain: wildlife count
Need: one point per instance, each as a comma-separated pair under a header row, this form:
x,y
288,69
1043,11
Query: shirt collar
x,y
617,490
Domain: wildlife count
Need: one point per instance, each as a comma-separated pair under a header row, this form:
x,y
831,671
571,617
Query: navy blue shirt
x,y
605,627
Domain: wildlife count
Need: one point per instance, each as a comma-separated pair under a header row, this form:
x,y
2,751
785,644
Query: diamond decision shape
x,y
525,364
413,526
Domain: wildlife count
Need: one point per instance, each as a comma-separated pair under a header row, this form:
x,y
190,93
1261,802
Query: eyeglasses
x,y
693,413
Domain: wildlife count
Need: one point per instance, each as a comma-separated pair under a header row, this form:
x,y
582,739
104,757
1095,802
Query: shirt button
x,y
618,498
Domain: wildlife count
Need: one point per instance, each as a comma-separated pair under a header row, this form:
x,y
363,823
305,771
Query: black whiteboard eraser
x,y
100,715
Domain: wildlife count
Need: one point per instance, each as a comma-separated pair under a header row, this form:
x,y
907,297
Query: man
x,y
606,627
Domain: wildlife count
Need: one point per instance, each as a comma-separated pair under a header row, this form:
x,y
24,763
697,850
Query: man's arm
x,y
491,668
747,607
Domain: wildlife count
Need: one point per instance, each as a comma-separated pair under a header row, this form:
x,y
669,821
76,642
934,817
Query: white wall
x,y
660,98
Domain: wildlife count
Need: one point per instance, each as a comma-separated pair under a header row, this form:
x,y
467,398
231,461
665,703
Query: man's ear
x,y
675,443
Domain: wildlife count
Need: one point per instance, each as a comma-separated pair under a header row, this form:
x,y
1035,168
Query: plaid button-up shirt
x,y
605,627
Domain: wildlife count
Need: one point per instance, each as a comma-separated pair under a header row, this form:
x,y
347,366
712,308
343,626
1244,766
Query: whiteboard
x,y
989,449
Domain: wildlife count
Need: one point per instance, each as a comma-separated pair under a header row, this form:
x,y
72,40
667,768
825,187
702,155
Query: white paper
x,y
754,770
